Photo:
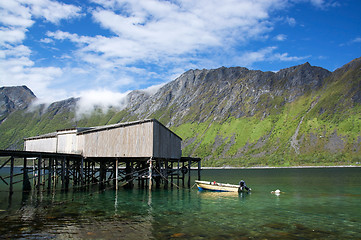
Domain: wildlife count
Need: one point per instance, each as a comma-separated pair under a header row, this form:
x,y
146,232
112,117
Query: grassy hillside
x,y
318,127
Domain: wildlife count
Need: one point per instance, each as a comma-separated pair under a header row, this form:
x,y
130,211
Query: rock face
x,y
14,98
227,116
224,92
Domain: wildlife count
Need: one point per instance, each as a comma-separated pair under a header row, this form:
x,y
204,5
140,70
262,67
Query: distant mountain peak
x,y
14,98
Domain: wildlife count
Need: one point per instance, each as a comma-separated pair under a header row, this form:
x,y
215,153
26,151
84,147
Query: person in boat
x,y
242,185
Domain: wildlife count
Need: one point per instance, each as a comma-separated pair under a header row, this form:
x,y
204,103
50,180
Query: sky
x,y
102,49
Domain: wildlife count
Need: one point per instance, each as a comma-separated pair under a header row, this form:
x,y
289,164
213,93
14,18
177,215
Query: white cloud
x,y
100,98
153,89
138,37
16,66
291,21
52,11
266,54
168,31
323,4
280,37
356,40
11,35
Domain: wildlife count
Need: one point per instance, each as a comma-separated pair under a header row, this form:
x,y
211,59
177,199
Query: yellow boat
x,y
221,187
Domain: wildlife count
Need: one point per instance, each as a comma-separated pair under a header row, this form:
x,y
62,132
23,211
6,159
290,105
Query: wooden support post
x,y
67,169
178,174
82,171
102,174
50,173
55,172
132,174
165,174
150,173
93,172
189,173
143,166
138,169
158,178
63,173
171,176
34,179
43,173
116,173
39,171
183,174
26,182
85,172
11,174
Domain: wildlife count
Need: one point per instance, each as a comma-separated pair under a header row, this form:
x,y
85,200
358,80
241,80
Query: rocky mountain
x,y
224,92
14,98
302,115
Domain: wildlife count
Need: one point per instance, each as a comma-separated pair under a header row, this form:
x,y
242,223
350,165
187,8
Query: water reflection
x,y
300,213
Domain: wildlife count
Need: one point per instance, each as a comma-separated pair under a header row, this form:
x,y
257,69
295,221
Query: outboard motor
x,y
242,185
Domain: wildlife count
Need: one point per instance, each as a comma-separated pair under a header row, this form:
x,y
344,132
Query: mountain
x,y
14,98
302,115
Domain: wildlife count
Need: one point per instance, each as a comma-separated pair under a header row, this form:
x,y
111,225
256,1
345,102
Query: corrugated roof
x,y
86,130
117,125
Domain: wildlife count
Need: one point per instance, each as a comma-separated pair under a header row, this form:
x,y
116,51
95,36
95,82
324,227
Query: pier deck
x,y
46,169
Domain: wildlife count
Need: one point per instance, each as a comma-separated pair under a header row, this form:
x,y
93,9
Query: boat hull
x,y
218,187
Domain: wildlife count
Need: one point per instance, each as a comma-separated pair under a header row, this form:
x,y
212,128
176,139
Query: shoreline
x,y
268,167
259,167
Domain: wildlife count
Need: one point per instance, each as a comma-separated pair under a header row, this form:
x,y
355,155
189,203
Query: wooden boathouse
x,y
145,151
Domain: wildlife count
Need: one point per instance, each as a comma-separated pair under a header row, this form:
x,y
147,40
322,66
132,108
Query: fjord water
x,y
316,203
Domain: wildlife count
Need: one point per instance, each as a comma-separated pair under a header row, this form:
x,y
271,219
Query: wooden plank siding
x,y
123,141
48,144
67,142
140,139
165,143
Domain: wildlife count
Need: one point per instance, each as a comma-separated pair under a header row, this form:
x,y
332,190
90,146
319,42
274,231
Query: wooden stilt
x,y
158,178
189,173
63,173
43,173
50,173
171,176
178,173
26,182
165,174
94,173
82,171
34,179
11,174
183,174
116,173
150,173
39,171
67,175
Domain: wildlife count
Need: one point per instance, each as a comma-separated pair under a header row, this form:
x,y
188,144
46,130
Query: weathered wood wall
x,y
165,143
123,141
46,144
147,138
67,141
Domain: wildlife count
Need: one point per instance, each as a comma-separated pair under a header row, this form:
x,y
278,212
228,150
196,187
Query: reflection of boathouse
x,y
140,150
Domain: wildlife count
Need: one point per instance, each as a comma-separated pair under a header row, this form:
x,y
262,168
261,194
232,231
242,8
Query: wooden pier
x,y
143,151
42,170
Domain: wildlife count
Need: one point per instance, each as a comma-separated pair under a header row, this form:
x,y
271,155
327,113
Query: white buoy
x,y
276,192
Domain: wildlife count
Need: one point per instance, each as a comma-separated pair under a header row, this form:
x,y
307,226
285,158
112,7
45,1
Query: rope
x,y
167,179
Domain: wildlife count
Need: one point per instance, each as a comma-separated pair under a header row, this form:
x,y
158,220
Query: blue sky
x,y
102,49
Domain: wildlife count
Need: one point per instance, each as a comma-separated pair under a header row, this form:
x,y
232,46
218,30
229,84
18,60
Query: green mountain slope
x,y
302,115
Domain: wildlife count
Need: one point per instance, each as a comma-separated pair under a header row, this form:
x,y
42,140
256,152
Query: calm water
x,y
316,204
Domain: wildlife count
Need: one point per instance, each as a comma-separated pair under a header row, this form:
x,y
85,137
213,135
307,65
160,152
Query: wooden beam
x,y
11,174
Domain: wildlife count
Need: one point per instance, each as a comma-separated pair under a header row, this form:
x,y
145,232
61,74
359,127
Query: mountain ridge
x,y
234,116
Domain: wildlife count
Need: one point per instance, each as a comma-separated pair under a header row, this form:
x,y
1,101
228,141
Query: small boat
x,y
221,187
